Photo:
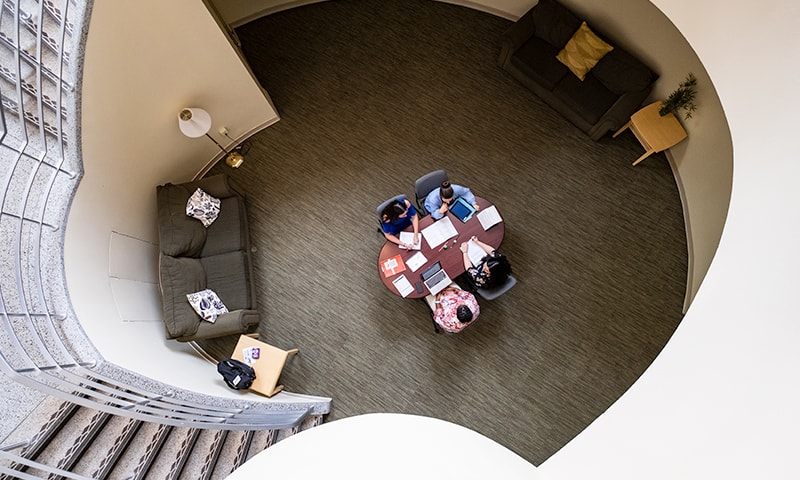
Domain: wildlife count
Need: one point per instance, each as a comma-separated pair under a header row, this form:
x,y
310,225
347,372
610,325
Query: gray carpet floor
x,y
374,94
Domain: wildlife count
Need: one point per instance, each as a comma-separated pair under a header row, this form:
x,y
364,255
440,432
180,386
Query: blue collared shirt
x,y
433,202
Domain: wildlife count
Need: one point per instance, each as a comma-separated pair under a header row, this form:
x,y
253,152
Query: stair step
x,y
174,453
61,436
140,454
108,447
207,450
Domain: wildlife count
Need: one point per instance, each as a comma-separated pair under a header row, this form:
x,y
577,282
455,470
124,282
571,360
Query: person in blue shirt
x,y
396,217
438,201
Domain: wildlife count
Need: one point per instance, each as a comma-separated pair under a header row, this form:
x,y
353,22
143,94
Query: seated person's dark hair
x,y
499,270
464,314
446,190
393,211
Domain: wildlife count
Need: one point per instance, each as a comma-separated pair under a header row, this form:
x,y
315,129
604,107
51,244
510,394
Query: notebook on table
x,y
462,209
435,278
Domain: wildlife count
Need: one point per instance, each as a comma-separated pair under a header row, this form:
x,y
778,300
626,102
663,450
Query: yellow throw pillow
x,y
583,51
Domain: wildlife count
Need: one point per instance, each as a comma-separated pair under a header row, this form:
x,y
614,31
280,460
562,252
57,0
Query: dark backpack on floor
x,y
238,375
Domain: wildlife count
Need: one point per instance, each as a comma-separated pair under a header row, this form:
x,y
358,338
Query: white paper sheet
x,y
489,217
475,252
403,286
416,261
439,232
408,237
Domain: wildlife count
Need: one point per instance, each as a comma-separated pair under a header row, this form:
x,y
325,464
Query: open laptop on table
x,y
435,278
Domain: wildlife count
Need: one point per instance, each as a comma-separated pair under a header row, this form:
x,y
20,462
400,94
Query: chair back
x,y
494,292
382,206
425,185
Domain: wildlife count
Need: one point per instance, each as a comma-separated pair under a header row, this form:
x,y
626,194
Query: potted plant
x,y
682,98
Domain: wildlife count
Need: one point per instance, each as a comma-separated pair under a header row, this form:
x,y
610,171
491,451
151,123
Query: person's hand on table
x,y
416,238
464,247
476,206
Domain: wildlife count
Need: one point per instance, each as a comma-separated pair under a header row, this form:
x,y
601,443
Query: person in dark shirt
x,y
396,217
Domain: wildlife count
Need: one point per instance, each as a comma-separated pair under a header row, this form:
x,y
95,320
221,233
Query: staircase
x,y
84,417
64,440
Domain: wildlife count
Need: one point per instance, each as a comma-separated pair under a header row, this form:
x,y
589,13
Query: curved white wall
x,y
721,400
144,61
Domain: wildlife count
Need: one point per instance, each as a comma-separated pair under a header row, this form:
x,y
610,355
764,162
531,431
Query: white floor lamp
x,y
196,122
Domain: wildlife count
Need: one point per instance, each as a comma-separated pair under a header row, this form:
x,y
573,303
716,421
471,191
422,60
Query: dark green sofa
x,y
193,257
614,89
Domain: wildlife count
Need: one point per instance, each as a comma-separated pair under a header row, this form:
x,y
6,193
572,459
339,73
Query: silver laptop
x,y
435,278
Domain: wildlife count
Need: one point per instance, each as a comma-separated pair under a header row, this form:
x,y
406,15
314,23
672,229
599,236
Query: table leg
x,y
624,127
645,155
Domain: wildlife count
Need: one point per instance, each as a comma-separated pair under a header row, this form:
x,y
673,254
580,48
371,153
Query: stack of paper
x,y
475,252
403,286
408,237
439,232
489,217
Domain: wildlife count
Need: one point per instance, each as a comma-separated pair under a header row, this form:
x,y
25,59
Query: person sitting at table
x,y
453,309
438,201
396,217
491,271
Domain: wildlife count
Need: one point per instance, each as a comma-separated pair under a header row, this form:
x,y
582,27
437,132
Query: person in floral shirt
x,y
454,309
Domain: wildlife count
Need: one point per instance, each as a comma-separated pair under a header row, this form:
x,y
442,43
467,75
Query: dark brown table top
x,y
451,257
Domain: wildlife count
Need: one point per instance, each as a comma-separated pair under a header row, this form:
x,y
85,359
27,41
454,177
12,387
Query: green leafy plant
x,y
682,98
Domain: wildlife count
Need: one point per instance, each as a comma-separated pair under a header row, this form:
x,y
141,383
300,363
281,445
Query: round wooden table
x,y
451,257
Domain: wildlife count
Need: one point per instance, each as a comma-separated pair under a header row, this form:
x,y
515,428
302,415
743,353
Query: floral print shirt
x,y
447,303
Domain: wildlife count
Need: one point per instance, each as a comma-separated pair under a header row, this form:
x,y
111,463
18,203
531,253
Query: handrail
x,y
40,161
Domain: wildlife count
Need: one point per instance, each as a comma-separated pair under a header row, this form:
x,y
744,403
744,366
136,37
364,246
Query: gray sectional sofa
x,y
193,257
613,89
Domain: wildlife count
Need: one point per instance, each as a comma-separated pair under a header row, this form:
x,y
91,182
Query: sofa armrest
x,y
219,186
619,113
516,35
231,323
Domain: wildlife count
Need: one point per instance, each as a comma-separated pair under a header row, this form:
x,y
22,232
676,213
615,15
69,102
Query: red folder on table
x,y
392,266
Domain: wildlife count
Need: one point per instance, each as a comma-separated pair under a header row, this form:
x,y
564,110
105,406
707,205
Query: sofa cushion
x,y
537,59
180,276
203,207
554,23
207,304
228,275
178,235
583,51
227,233
620,72
588,98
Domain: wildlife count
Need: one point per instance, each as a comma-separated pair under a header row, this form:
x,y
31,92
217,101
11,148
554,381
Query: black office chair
x,y
425,185
494,292
382,206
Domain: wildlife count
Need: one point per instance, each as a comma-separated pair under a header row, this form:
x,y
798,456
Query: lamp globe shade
x,y
194,122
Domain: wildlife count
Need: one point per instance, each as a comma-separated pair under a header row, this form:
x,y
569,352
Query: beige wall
x,y
145,60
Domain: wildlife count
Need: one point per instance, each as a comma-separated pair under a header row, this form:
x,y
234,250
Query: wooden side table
x,y
268,366
654,132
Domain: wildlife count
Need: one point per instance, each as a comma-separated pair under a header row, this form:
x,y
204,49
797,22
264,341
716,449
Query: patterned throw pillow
x,y
203,207
207,304
583,51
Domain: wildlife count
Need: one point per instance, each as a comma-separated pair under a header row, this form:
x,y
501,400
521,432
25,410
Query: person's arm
x,y
415,223
465,256
432,205
466,194
486,247
395,239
